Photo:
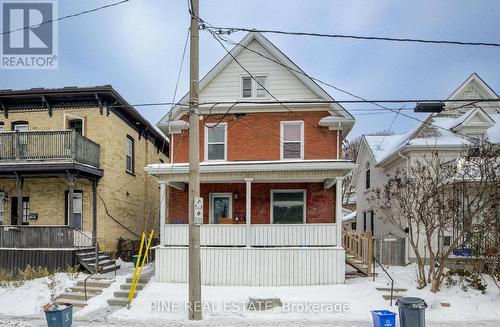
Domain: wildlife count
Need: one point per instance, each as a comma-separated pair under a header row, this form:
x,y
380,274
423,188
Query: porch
x,y
265,223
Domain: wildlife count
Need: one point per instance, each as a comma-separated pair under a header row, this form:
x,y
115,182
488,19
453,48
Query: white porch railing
x,y
265,235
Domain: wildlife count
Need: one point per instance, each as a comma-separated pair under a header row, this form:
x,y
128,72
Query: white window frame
x,y
132,141
254,85
78,194
207,127
282,138
16,125
211,197
304,220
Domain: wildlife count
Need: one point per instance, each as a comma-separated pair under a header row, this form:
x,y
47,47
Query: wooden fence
x,y
42,237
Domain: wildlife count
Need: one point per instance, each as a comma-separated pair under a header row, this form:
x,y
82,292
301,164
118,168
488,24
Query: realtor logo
x,y
29,34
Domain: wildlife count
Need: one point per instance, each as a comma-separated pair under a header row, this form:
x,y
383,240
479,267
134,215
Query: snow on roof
x,y
349,217
442,135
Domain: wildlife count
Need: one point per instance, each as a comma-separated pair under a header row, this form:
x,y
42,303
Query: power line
x,y
65,17
377,103
229,30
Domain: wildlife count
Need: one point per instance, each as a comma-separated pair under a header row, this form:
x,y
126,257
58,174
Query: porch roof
x,y
296,170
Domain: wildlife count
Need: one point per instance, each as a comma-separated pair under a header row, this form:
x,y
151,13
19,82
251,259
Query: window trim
x,y
282,138
66,206
295,190
19,122
207,127
68,118
253,86
130,138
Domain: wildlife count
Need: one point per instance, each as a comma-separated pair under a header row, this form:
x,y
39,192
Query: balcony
x,y
65,146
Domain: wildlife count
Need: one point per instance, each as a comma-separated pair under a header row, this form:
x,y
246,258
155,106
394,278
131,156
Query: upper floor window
x,y
76,125
251,88
216,142
129,158
367,175
1,127
292,140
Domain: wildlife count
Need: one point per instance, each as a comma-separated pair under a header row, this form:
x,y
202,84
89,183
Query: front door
x,y
221,207
13,211
75,219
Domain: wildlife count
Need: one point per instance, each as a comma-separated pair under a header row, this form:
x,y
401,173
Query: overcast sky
x,y
137,46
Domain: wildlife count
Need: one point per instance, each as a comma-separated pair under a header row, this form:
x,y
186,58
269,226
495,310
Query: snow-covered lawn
x,y
350,302
29,298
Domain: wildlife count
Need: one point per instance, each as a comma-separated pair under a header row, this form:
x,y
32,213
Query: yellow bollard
x,y
130,294
136,278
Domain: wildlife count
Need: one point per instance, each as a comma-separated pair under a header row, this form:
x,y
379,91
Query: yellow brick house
x,y
85,144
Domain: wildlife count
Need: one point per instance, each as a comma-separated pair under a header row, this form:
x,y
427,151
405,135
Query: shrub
x,y
465,279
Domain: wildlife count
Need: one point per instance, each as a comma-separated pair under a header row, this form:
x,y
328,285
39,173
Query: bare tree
x,y
437,198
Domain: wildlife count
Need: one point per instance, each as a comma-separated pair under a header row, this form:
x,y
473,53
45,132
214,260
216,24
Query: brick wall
x,y
320,204
256,136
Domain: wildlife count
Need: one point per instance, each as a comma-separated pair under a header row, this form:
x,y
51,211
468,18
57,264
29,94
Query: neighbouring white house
x,y
271,175
380,155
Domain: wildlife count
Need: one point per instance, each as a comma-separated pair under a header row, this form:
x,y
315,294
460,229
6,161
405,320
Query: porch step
x,y
121,297
127,286
75,303
123,294
142,280
95,283
394,297
75,296
118,302
388,289
86,258
90,289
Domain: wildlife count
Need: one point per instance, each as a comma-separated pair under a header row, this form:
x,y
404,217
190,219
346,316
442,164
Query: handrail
x,y
375,260
85,285
136,277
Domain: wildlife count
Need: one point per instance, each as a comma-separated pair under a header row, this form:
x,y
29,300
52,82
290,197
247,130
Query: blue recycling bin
x,y
60,318
383,318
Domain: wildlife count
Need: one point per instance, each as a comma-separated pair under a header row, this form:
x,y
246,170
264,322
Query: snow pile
x,y
29,298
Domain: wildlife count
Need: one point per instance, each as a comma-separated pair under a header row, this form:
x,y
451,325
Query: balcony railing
x,y
48,145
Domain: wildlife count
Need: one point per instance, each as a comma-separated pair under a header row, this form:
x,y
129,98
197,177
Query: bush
x,y
73,272
465,279
29,273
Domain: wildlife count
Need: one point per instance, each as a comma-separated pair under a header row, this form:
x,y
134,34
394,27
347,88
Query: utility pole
x,y
194,267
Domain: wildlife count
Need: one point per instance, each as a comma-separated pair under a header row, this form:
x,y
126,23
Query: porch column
x,y
71,180
248,210
19,184
163,210
94,212
338,209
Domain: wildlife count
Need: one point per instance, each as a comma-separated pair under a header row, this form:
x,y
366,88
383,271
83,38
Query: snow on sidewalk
x,y
350,302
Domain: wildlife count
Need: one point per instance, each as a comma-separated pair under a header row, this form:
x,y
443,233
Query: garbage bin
x,y
134,260
411,311
60,315
383,318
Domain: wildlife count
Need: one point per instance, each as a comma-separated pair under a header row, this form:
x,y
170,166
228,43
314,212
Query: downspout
x,y
407,245
338,140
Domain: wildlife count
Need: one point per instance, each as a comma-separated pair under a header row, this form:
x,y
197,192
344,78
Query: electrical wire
x,y
229,30
66,17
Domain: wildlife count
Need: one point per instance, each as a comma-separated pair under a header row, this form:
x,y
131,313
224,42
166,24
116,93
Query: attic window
x,y
254,87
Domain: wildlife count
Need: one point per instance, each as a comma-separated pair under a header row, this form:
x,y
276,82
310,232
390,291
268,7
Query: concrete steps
x,y
76,294
86,258
397,293
120,298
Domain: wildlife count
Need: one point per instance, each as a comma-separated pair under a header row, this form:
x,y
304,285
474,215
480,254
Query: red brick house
x,y
270,173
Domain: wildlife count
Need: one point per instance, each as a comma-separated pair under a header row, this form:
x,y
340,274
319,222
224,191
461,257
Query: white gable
x,y
226,86
286,82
